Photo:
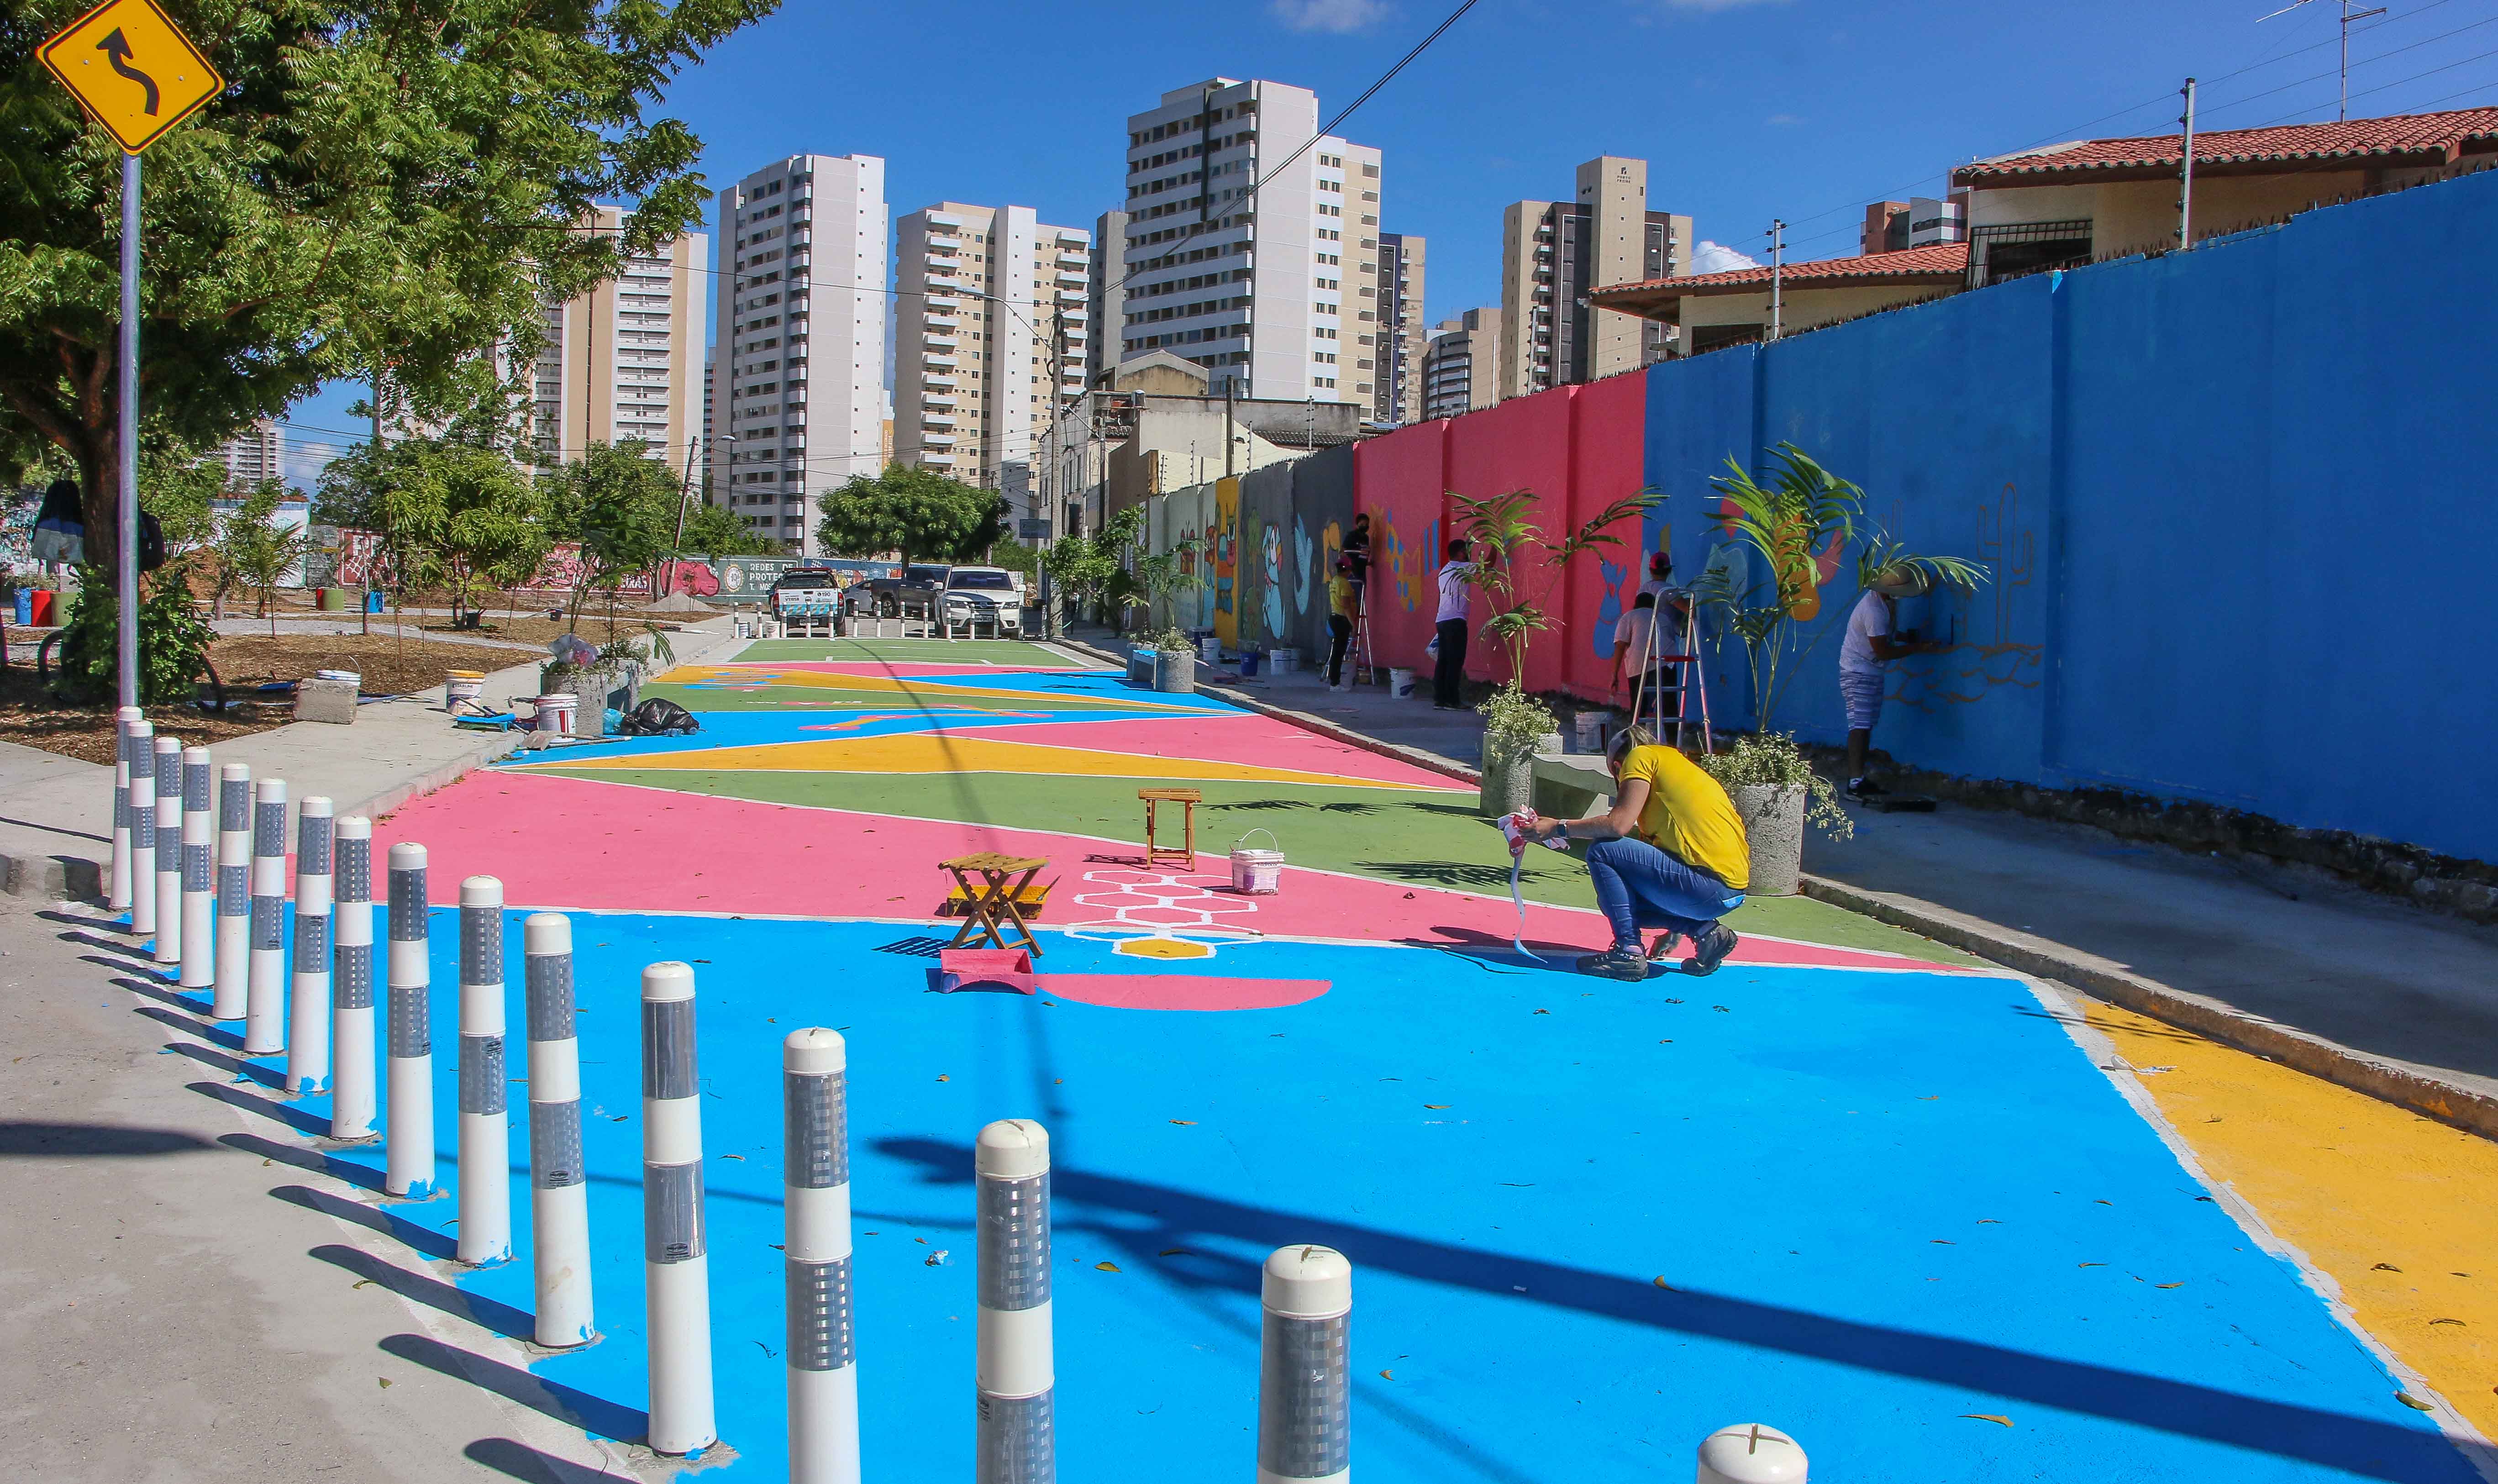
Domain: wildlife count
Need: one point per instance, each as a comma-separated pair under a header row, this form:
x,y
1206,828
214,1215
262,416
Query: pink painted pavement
x,y
561,843
1225,737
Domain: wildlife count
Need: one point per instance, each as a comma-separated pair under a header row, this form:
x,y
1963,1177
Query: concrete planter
x,y
599,688
1175,670
1508,785
1773,816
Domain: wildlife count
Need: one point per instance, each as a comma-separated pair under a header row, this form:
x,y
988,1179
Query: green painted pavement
x,y
1389,835
804,697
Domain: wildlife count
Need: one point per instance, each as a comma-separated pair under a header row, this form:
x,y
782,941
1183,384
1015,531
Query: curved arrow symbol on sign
x,y
118,51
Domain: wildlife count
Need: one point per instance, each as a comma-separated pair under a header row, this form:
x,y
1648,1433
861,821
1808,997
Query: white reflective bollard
x,y
1304,1386
116,893
407,1163
142,827
816,1204
559,1198
168,885
676,1273
352,1102
485,1125
1016,1373
199,869
307,1014
234,891
1750,1454
264,1015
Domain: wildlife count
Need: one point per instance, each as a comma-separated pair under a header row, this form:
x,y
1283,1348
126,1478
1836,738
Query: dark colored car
x,y
915,593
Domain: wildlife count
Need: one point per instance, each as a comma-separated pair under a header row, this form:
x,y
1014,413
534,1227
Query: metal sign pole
x,y
127,561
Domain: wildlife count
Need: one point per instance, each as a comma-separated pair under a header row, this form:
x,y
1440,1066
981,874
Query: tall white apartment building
x,y
624,360
1275,293
253,456
798,371
990,332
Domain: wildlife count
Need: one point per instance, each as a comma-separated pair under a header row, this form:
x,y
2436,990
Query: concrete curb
x,y
1335,731
2406,1087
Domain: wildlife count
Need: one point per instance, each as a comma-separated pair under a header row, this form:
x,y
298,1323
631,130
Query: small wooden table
x,y
993,902
1163,854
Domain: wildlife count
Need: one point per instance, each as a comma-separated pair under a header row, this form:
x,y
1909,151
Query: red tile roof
x,y
1945,263
2407,139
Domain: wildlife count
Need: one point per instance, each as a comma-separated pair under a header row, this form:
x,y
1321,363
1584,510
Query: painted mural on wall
x,y
1271,548
1227,559
1986,652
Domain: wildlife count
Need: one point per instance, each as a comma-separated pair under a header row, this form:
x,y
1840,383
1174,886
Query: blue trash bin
x,y
25,608
373,601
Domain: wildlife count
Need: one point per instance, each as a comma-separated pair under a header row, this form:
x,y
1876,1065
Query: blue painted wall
x,y
2234,506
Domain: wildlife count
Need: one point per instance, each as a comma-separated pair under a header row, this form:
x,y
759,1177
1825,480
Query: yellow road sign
x,y
134,69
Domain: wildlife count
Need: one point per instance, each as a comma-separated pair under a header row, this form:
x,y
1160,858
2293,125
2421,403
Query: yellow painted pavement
x,y
764,676
937,752
2401,1210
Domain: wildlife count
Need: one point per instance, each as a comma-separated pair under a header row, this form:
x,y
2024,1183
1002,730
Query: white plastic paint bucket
x,y
463,686
1257,872
1400,682
1286,659
1210,650
555,714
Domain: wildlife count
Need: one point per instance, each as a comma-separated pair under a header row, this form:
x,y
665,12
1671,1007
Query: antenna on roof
x,y
2341,113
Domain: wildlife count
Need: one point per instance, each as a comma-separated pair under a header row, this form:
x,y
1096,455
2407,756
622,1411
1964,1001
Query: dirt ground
x,y
32,719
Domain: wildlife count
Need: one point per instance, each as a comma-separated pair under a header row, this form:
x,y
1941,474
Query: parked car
x,y
912,595
805,592
974,594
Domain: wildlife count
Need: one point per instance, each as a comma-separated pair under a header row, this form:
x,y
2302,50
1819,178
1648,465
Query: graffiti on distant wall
x,y
1227,559
1271,547
1987,650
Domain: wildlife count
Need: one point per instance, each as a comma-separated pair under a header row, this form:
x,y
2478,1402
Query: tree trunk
x,y
100,497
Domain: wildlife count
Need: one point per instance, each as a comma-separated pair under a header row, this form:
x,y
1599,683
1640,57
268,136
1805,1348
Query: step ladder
x,y
1687,683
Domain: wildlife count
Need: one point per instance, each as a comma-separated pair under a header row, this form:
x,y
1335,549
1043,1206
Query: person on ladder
x,y
1647,645
1344,610
1874,639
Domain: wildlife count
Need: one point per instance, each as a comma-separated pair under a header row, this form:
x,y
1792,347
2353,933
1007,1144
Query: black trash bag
x,y
658,718
152,543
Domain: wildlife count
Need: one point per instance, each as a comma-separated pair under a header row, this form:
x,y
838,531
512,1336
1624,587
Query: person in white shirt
x,y
1457,586
1873,638
1642,641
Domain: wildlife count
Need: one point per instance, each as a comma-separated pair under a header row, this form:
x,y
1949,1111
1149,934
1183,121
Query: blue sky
x,y
1745,110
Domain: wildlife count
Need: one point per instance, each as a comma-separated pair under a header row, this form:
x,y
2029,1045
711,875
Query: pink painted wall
x,y
1521,444
1399,479
1608,444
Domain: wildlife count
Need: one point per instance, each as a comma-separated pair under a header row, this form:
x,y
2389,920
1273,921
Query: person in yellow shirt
x,y
1670,855
1344,606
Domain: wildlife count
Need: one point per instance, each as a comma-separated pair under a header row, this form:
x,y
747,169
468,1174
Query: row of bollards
x,y
223,928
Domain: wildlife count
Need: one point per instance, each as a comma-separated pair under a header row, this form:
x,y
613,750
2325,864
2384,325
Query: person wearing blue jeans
x,y
1670,855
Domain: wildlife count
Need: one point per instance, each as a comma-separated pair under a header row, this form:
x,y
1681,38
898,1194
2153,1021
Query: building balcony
x,y
937,439
936,321
945,343
944,219
937,361
939,380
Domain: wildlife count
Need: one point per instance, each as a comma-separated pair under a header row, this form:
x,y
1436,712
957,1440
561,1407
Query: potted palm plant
x,y
1776,794
1516,728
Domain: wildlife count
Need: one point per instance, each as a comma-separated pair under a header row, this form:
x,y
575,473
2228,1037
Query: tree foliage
x,y
715,530
257,550
923,515
1517,581
1094,569
173,640
620,506
387,188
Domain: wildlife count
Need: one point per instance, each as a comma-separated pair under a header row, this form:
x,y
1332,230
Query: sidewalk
x,y
57,824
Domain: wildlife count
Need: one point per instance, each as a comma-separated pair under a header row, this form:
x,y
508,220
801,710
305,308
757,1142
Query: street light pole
x,y
684,496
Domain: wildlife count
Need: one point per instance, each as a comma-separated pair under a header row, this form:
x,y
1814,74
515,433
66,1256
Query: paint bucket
x,y
1286,659
462,686
555,714
1257,872
1592,726
1400,682
1210,650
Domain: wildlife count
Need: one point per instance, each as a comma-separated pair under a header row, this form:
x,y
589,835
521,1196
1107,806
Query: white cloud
x,y
1782,120
1337,15
301,464
1719,258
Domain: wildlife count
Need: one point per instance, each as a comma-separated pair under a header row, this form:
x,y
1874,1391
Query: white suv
x,y
977,593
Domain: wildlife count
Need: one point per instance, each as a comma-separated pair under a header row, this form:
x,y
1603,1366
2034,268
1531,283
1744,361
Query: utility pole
x,y
1778,277
1230,383
126,560
2343,111
2186,176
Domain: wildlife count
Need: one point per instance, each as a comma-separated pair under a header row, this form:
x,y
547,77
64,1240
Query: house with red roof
x,y
2065,205
2072,203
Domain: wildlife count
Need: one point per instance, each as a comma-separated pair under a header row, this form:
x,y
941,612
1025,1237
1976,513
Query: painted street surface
x,y
1884,1202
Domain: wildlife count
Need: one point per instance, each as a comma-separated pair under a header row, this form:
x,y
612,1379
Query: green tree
x,y
258,550
1094,569
620,506
489,531
1514,579
919,513
383,189
173,642
715,530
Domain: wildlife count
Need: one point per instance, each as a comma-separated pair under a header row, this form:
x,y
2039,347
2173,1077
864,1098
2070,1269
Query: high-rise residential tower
x,y
254,455
1265,272
1402,338
1552,252
991,326
1106,294
1458,371
798,372
624,360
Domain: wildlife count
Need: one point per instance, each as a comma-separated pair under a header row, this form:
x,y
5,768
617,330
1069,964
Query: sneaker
x,y
1710,949
1663,947
1621,962
1864,788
